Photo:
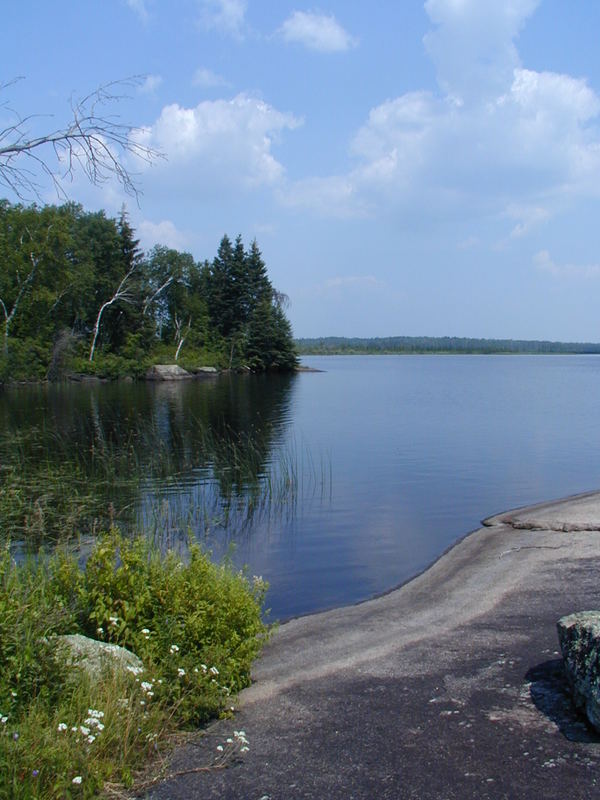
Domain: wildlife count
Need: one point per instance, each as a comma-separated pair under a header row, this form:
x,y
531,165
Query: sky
x,y
407,168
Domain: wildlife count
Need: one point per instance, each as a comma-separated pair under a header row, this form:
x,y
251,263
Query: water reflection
x,y
117,452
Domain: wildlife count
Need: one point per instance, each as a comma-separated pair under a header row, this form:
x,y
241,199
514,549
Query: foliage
x,y
75,286
431,344
195,625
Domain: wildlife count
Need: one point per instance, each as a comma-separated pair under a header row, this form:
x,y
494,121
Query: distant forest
x,y
341,345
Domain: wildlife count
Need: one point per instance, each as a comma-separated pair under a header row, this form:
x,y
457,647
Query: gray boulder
x,y
94,656
167,372
579,637
207,370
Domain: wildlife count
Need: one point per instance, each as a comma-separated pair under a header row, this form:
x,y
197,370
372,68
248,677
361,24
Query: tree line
x,y
436,344
77,294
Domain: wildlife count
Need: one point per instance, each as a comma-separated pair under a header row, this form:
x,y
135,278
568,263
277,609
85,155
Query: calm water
x,y
392,457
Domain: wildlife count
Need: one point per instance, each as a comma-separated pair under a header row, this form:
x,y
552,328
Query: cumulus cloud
x,y
316,31
544,263
226,16
496,139
472,44
208,79
163,232
228,141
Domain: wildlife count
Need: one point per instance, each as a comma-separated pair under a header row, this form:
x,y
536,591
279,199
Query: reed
x,y
52,490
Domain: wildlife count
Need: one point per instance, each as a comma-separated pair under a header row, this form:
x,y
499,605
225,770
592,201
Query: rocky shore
x,y
451,687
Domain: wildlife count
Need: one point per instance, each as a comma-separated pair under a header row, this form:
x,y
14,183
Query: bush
x,y
195,625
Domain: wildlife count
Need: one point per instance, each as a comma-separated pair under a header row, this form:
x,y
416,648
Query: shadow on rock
x,y
551,695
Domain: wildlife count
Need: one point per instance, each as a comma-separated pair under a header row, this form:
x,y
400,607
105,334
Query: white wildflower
x,y
181,672
220,748
146,685
214,670
113,621
100,631
61,727
174,648
93,713
91,739
94,722
134,670
77,780
84,730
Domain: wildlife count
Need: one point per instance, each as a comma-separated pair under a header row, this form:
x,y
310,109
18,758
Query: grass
x,y
52,490
196,627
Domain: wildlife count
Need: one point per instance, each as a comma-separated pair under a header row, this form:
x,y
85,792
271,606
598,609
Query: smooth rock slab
x,y
94,656
579,637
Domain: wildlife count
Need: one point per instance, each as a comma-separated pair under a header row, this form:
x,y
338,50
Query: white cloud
x,y
335,196
208,79
473,46
228,142
163,232
515,152
226,16
139,6
543,262
316,31
150,84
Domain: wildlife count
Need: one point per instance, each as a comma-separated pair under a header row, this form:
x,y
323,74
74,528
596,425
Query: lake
x,y
334,485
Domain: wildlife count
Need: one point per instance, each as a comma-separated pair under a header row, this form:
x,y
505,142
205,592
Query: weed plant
x,y
195,625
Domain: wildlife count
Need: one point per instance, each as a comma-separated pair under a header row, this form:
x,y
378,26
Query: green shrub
x,y
195,625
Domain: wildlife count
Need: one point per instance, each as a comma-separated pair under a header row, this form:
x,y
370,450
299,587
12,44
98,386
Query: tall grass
x,y
52,491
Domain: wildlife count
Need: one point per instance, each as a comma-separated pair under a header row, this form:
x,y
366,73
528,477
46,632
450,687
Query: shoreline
x,y
458,668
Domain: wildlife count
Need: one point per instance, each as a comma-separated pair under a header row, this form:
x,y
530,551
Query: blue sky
x,y
408,168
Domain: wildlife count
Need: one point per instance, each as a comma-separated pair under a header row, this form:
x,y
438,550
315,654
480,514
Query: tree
x,y
34,274
93,139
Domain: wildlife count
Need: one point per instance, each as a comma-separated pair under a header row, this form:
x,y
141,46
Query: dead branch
x,y
94,141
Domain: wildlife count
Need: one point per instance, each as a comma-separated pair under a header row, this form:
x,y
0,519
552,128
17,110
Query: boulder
x,y
94,656
579,637
167,372
207,370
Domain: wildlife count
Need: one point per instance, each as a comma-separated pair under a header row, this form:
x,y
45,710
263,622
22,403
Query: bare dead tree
x,y
180,335
122,294
151,298
94,140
